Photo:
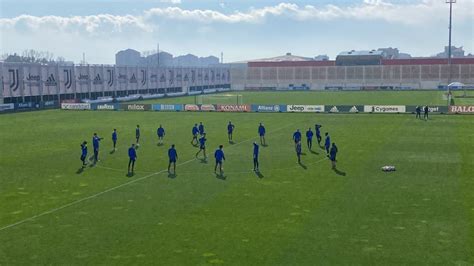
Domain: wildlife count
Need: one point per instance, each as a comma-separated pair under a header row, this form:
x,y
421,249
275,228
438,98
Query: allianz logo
x,y
275,108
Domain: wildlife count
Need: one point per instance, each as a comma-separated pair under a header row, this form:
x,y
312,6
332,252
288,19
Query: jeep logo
x,y
296,108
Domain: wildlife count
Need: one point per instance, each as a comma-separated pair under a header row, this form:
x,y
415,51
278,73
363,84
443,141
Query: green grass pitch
x,y
422,214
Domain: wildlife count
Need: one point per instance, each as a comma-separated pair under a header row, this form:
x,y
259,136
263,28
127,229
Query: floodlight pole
x,y
450,2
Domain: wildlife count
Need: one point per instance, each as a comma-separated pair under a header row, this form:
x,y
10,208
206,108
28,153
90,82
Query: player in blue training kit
x,y
137,133
114,138
83,153
195,132
426,110
202,145
132,155
261,133
332,155
173,156
318,133
161,133
230,130
255,156
201,129
327,143
298,151
219,155
95,143
309,138
297,136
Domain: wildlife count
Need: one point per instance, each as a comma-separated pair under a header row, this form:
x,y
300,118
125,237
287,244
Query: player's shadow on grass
x,y
339,172
203,160
112,152
231,142
259,174
172,176
159,144
303,166
221,176
313,152
80,170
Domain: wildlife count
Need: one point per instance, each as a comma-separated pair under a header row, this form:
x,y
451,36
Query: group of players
x,y
331,149
199,140
426,110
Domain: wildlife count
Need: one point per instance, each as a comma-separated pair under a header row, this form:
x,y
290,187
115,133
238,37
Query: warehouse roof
x,y
360,53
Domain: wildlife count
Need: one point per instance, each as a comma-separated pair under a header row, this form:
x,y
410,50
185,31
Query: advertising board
x,y
76,106
233,108
268,108
305,108
384,108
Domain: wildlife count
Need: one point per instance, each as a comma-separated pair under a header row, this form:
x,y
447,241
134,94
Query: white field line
x,y
109,190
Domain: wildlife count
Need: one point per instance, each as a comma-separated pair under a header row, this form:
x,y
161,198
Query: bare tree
x,y
33,56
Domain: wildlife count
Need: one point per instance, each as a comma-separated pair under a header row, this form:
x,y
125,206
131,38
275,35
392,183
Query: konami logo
x,y
233,107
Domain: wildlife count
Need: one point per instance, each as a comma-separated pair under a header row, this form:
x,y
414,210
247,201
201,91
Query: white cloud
x,y
419,13
174,2
94,24
411,14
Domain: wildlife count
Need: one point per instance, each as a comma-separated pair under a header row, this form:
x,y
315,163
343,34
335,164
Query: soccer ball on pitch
x,y
388,168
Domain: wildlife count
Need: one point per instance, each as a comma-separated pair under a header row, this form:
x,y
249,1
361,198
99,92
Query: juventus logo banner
x,y
13,85
162,80
171,77
66,80
110,79
6,80
143,78
193,76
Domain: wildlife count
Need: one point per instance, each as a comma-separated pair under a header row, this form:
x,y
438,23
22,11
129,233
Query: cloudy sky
x,y
242,29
